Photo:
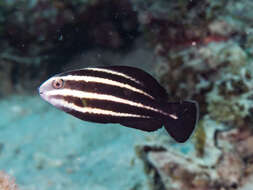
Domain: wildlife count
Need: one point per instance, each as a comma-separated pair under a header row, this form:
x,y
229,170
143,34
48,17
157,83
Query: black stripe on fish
x,y
105,81
120,107
98,88
105,78
120,94
109,102
94,108
145,81
133,122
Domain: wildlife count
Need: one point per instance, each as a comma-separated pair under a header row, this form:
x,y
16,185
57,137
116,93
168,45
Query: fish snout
x,y
44,88
39,90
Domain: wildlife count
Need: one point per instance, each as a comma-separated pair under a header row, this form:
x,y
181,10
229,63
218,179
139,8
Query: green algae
x,y
200,139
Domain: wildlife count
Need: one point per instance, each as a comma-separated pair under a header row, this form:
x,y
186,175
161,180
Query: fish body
x,y
120,94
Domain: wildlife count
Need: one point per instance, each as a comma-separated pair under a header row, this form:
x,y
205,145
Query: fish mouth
x,y
44,96
39,91
42,93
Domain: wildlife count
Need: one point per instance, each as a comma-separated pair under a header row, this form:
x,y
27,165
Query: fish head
x,y
49,89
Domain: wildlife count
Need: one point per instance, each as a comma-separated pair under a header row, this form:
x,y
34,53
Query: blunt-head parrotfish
x,y
120,94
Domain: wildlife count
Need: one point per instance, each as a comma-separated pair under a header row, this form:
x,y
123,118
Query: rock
x,y
245,147
6,84
6,182
230,169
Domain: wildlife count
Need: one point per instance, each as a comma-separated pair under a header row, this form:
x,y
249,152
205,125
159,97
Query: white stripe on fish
x,y
114,73
96,96
104,81
71,106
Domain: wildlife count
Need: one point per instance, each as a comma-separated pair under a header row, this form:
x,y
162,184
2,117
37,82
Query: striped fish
x,y
120,94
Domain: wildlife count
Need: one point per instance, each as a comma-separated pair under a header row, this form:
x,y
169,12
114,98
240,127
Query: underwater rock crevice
x,y
155,181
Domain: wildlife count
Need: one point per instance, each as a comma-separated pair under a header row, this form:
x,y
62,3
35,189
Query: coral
x,y
239,141
218,75
214,56
155,181
227,162
6,182
231,176
230,99
212,65
245,147
205,61
176,166
182,23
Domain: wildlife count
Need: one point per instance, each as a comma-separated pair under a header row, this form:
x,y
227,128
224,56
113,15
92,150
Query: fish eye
x,y
58,83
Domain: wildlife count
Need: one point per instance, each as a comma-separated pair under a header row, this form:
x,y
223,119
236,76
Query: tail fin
x,y
182,125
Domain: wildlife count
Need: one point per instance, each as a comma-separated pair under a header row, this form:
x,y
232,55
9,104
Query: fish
x,y
125,95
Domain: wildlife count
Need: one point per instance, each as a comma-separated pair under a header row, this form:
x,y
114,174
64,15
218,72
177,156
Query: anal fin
x,y
144,125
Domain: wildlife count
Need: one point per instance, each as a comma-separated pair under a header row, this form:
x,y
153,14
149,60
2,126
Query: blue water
x,y
44,148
